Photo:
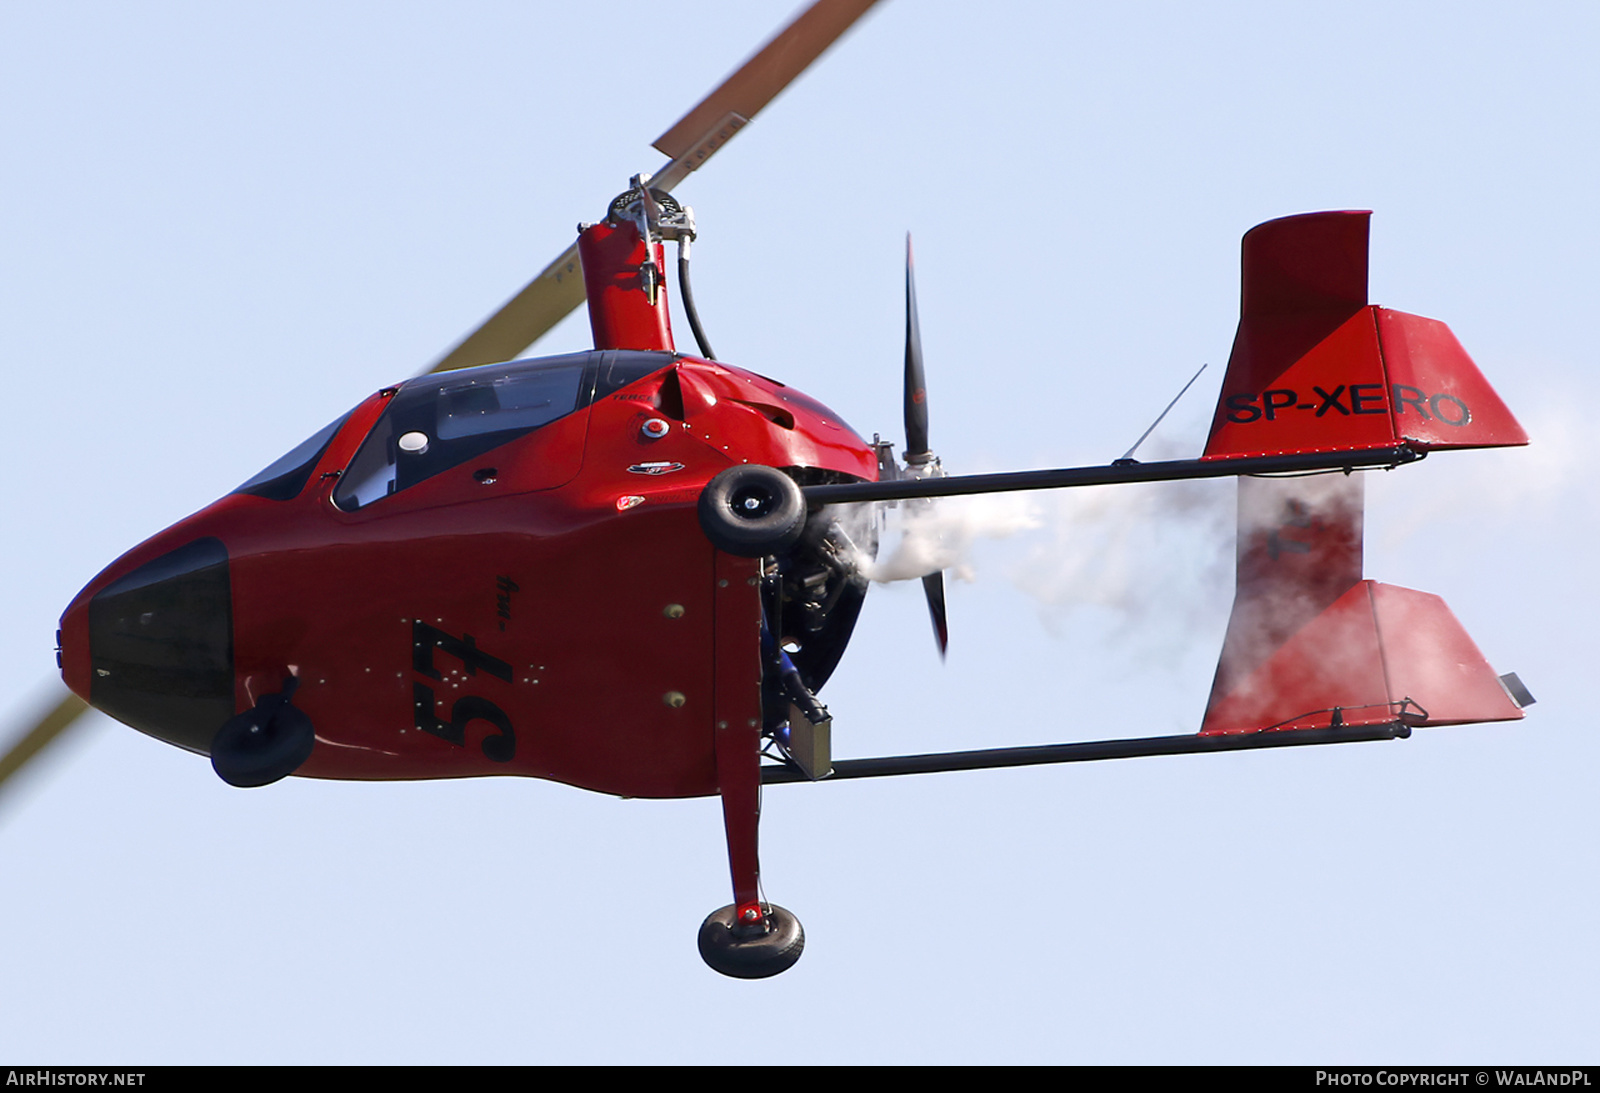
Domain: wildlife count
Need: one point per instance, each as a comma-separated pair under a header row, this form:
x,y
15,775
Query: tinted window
x,y
434,423
512,403
287,475
161,645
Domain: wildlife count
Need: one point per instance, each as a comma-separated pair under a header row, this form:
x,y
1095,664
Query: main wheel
x,y
751,511
262,745
755,954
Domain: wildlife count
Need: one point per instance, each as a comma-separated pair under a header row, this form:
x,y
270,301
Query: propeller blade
x,y
916,394
552,295
917,451
933,591
46,729
708,126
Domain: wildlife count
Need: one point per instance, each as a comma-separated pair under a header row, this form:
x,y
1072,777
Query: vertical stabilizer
x,y
1298,551
1310,644
1316,368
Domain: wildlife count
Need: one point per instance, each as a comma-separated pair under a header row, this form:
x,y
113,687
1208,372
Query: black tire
x,y
262,745
751,511
752,956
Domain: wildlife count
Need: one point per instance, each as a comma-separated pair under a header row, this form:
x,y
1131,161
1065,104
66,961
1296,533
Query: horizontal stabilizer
x,y
1316,368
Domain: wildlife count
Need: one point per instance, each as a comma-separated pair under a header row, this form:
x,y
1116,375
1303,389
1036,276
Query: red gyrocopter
x,y
427,587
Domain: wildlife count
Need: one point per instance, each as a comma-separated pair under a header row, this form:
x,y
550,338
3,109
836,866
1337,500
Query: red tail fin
x,y
1316,368
1310,644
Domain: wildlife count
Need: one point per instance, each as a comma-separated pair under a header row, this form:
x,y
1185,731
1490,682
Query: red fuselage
x,y
544,608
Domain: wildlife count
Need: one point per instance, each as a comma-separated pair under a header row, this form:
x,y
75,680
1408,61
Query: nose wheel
x,y
744,948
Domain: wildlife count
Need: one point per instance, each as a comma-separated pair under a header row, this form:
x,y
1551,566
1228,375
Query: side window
x,y
287,475
507,404
617,369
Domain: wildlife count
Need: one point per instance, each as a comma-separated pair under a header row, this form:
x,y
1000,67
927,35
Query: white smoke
x,y
1140,553
1160,553
929,537
1455,492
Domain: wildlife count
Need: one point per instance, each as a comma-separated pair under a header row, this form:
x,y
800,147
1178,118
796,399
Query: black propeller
x,y
920,460
917,453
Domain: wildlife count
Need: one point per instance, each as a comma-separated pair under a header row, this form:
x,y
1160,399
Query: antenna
x,y
1127,457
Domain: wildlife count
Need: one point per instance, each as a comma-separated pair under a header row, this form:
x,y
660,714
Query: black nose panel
x,y
161,646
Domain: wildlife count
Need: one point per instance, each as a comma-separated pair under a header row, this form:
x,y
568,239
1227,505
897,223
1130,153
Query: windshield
x,y
287,475
434,423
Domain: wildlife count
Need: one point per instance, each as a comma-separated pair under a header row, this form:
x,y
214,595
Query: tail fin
x,y
1310,643
1316,368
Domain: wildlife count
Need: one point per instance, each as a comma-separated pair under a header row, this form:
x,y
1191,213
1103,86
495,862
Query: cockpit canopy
x,y
436,422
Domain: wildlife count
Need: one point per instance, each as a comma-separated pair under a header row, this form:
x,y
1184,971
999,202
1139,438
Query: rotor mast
x,y
688,144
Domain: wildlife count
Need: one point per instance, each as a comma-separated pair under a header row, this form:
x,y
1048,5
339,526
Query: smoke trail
x,y
927,537
1157,555
1454,491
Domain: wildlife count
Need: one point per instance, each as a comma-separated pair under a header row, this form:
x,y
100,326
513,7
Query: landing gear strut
x,y
750,939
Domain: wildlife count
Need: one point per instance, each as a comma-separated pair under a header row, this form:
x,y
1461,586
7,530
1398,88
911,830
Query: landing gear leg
x,y
748,939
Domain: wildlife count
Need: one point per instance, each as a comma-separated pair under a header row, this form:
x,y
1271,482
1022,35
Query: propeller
x,y
558,289
920,460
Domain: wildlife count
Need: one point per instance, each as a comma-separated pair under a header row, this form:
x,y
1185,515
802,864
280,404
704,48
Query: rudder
x,y
1316,368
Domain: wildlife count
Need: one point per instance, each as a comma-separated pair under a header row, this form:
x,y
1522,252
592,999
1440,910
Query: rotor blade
x,y
552,295
933,591
709,125
46,729
916,394
523,319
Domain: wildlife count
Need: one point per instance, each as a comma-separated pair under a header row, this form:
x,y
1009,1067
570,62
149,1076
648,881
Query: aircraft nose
x,y
160,645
